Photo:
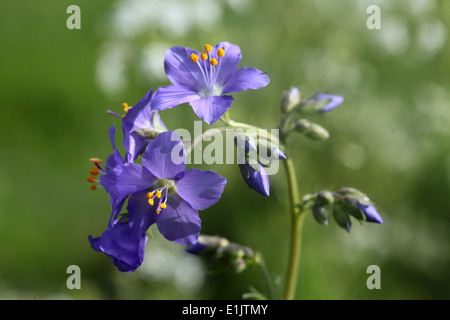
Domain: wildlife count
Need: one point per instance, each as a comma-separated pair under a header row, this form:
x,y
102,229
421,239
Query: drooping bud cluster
x,y
293,107
342,204
220,255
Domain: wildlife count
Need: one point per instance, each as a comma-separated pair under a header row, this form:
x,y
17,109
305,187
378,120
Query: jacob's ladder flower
x,y
160,191
205,80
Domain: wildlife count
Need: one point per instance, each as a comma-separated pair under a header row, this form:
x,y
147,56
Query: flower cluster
x,y
343,204
151,179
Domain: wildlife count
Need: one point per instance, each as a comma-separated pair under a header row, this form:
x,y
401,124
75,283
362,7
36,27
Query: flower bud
x,y
334,101
205,243
320,214
325,197
350,205
221,256
352,192
320,103
255,179
290,99
370,213
342,219
269,150
311,130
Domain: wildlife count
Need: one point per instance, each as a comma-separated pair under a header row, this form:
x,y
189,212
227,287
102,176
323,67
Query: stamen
x,y
91,179
150,195
93,187
204,56
158,194
126,107
163,205
194,57
94,171
95,160
151,202
220,52
208,47
213,62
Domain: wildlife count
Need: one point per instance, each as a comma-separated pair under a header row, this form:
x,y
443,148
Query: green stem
x,y
297,216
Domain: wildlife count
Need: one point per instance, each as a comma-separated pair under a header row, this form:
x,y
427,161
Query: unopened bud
x,y
239,265
320,103
213,241
325,197
353,193
352,208
311,130
320,214
290,99
269,150
342,219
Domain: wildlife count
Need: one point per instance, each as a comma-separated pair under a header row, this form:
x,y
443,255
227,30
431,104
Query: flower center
x,y
210,68
160,194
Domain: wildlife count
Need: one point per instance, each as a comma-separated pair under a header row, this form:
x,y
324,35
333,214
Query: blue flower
x,y
205,80
160,191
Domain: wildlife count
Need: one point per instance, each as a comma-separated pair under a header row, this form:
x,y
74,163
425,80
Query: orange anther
x,y
91,179
95,160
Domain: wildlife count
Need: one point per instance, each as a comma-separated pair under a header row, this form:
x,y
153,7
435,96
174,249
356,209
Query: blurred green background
x,y
390,138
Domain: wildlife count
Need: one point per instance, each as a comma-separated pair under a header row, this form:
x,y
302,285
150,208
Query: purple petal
x,y
244,79
134,144
181,70
139,116
201,189
228,63
335,101
164,156
141,214
257,180
123,241
196,248
116,205
371,213
125,247
171,96
115,159
210,109
179,222
126,179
